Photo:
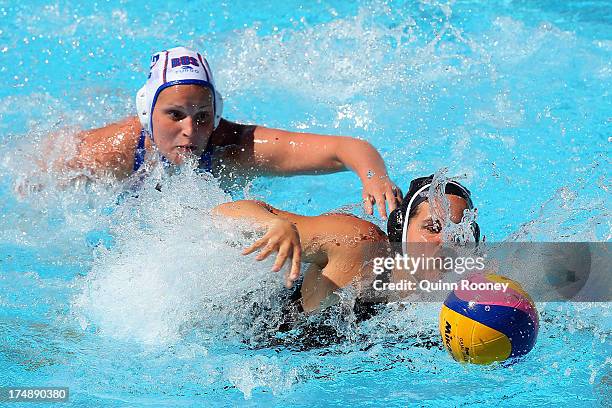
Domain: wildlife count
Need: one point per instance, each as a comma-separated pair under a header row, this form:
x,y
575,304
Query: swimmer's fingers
x,y
381,204
281,257
367,204
393,196
296,263
293,250
268,249
398,194
256,245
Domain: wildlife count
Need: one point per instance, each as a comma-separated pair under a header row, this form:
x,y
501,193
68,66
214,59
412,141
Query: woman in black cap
x,y
339,248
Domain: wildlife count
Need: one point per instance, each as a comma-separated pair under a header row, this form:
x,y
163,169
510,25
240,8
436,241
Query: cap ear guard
x,y
141,108
218,108
395,224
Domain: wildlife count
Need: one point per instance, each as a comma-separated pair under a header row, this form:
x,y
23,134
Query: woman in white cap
x,y
180,114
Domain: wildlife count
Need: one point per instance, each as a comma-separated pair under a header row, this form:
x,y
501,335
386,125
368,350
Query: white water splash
x,y
174,266
439,205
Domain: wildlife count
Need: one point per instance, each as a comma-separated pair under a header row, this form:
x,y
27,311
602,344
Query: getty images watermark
x,y
547,271
421,264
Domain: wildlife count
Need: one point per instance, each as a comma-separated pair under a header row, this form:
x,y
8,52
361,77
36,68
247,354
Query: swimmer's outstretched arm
x,y
281,152
339,245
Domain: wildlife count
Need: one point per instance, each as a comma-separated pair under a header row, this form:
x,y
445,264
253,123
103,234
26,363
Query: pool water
x,y
144,300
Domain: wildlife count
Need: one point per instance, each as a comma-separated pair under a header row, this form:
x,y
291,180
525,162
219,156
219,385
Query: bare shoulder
x,y
351,226
112,135
347,244
343,236
110,148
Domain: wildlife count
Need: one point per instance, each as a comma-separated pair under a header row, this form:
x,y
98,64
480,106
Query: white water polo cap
x,y
176,66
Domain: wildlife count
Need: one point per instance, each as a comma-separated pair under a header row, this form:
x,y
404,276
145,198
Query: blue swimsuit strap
x,y
139,156
140,151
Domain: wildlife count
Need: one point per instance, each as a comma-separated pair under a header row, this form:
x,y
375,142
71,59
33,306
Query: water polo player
x,y
414,221
340,247
180,115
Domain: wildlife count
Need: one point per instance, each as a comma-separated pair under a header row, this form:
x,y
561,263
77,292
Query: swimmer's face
x,y
183,120
423,229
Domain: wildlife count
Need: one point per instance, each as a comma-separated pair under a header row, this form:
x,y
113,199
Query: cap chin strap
x,y
144,114
406,215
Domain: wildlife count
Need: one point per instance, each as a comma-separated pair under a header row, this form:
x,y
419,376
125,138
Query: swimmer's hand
x,y
380,190
282,237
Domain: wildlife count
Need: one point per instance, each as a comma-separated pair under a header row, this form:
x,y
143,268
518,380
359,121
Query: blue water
x,y
142,302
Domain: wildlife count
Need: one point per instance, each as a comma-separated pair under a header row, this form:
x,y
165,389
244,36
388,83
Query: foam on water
x,y
173,265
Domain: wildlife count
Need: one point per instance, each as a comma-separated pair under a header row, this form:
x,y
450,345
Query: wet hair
x,y
417,193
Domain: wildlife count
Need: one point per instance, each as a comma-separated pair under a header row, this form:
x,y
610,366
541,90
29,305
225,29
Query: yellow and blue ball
x,y
483,326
